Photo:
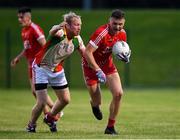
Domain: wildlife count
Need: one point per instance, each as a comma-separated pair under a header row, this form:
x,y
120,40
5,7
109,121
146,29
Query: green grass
x,y
145,114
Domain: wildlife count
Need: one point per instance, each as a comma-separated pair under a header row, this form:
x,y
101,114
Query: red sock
x,y
111,122
57,117
49,117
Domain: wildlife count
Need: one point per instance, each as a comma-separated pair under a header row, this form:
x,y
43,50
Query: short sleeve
x,y
98,35
38,32
81,44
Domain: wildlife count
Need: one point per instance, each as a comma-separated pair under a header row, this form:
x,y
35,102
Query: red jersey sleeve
x,y
38,32
98,35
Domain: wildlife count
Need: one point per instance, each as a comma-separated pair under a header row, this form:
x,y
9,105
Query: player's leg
x,y
40,104
63,98
49,100
94,91
59,84
95,94
49,103
41,101
40,79
114,84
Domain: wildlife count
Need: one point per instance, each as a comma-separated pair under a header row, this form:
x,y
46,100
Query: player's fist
x,y
62,24
14,62
101,76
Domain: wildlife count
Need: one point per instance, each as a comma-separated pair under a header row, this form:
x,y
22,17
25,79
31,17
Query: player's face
x,y
116,25
75,26
23,19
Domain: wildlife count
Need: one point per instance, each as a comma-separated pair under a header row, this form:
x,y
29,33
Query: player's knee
x,y
66,100
41,104
121,92
118,96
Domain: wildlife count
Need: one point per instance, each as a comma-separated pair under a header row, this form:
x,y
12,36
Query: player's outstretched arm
x,y
92,63
88,54
17,58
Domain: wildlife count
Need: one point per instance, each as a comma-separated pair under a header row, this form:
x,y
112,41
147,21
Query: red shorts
x,y
90,75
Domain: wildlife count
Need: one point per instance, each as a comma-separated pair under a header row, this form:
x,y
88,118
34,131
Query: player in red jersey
x,y
98,67
33,40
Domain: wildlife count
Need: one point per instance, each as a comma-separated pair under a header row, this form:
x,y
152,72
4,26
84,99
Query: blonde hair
x,y
69,17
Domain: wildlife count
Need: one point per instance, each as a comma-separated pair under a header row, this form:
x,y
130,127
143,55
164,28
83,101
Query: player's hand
x,y
14,62
123,57
101,76
62,24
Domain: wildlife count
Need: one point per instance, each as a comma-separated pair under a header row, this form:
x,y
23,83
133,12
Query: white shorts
x,y
45,76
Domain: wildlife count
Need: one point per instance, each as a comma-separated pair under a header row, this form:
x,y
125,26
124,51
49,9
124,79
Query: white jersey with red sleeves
x,y
103,42
58,48
30,36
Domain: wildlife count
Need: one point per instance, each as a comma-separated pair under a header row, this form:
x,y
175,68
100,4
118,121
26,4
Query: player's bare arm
x,y
42,41
81,48
56,28
17,58
81,51
90,58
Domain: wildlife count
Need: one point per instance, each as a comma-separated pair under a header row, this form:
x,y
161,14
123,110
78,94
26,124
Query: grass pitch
x,y
145,114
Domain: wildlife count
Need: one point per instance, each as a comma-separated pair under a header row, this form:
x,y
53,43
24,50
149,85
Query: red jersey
x,y
103,41
30,36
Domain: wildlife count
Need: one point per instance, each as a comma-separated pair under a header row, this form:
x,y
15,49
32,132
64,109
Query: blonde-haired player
x,y
48,68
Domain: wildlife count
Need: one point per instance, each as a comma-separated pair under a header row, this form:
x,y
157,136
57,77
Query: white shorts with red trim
x,y
45,76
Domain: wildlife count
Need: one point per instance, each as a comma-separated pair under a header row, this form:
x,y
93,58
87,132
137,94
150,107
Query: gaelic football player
x,y
33,39
99,68
48,69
